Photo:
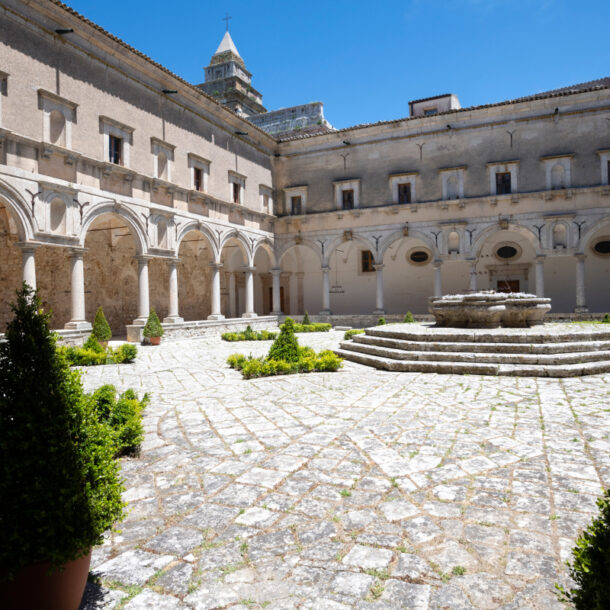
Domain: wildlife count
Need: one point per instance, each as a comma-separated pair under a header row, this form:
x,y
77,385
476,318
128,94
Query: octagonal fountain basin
x,y
489,309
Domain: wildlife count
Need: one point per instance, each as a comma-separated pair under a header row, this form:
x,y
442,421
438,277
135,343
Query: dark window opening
x,y
506,252
404,193
347,197
115,149
366,261
508,286
198,179
430,111
503,186
236,189
419,256
602,247
296,205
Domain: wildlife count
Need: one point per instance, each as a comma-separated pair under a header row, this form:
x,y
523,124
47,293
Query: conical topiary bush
x,y
286,346
59,482
153,329
101,328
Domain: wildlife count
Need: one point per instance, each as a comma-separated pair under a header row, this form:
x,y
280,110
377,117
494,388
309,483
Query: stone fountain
x,y
489,309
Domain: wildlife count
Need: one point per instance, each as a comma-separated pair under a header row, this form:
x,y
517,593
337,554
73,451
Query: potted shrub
x,y
60,484
101,328
153,330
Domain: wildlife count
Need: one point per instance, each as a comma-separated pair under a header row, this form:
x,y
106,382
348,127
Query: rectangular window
x,y
430,111
198,179
404,192
366,261
347,198
503,183
295,205
236,189
115,149
608,168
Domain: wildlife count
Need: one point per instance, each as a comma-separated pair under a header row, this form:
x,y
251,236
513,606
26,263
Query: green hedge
x,y
250,335
92,353
320,327
308,362
123,415
353,331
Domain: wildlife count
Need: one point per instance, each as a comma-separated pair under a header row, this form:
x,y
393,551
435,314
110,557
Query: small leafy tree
x,y
286,346
409,319
606,319
590,569
93,344
101,328
306,319
59,483
153,326
381,322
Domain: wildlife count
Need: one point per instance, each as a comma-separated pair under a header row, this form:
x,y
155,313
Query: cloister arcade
x,y
197,273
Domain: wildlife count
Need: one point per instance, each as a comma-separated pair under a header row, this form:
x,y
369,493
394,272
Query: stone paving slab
x,y
357,489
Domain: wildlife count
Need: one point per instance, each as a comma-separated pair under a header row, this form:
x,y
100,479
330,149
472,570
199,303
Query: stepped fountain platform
x,y
549,350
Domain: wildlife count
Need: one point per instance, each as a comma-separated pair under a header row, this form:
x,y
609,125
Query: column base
x,y
216,316
134,333
139,322
78,325
276,313
326,312
378,312
249,315
173,320
583,309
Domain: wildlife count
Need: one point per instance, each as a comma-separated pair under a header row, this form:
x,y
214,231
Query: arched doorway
x,y
11,264
301,280
194,276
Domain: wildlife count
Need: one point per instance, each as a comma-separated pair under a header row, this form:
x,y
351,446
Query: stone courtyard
x,y
357,489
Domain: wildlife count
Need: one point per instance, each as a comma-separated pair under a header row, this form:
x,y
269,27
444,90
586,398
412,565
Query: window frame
x,y
49,102
550,162
295,191
352,184
403,178
446,174
237,181
503,167
108,127
195,162
367,259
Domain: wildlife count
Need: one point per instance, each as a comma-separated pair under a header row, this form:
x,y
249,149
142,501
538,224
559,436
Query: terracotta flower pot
x,y
154,340
34,588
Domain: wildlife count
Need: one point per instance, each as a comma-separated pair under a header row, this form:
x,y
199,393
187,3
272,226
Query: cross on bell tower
x,y
226,18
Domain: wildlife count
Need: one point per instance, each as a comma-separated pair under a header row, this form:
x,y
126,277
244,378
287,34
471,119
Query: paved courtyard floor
x,y
356,489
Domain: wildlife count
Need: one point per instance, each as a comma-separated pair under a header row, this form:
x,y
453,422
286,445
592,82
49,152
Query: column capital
x,y
275,271
580,257
300,274
540,258
27,246
143,258
216,266
437,264
325,268
78,252
378,266
247,269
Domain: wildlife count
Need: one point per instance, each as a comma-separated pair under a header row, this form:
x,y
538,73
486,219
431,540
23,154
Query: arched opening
x,y
162,166
58,216
194,276
111,271
353,279
57,128
560,236
408,276
506,262
301,281
453,191
453,243
11,266
263,285
597,271
233,280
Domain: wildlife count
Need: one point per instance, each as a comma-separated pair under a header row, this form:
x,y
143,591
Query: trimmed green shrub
x,y
60,484
408,319
286,346
125,353
590,569
95,354
327,360
318,327
606,319
101,328
262,335
381,322
93,344
353,331
153,327
306,321
123,416
236,361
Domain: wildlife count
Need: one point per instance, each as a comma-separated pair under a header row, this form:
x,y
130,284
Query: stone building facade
x,y
124,186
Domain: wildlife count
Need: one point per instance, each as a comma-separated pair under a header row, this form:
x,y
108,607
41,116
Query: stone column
x,y
473,276
249,276
438,286
300,296
325,292
379,296
143,293
276,306
232,295
77,276
540,276
216,313
173,315
581,302
29,264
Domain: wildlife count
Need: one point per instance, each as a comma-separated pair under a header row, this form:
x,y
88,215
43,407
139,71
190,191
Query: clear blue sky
x,y
366,59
